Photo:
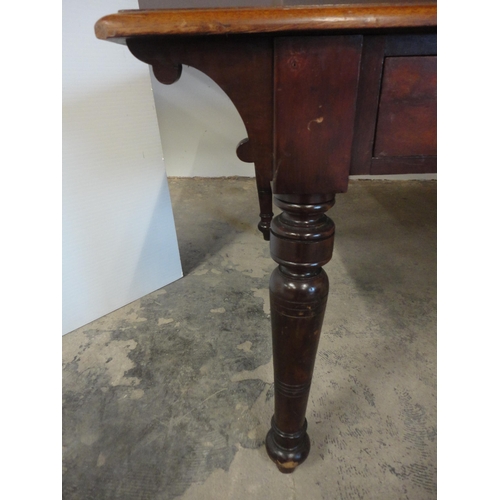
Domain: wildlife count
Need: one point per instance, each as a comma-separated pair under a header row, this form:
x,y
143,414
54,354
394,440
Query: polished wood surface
x,y
407,116
316,80
310,97
396,120
301,243
211,4
226,21
314,112
370,80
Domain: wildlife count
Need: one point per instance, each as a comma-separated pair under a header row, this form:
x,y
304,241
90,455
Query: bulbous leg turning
x,y
286,450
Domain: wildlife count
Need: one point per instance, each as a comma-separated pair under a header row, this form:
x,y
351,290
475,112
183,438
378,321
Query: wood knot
x,y
294,63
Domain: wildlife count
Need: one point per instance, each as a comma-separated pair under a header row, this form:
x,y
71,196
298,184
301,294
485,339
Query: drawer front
x,y
407,116
395,127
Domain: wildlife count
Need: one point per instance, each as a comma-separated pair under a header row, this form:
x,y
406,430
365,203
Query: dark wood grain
x,y
410,112
316,84
316,80
407,117
385,165
301,242
229,62
125,24
370,80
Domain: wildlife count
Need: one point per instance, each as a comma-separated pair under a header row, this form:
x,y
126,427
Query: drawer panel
x,y
407,115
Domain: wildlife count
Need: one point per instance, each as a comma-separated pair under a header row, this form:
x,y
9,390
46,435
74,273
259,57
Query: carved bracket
x,y
244,71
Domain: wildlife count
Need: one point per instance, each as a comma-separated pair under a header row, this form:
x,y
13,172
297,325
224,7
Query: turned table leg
x,y
297,97
301,242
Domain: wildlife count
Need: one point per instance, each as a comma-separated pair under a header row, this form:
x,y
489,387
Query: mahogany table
x,y
323,89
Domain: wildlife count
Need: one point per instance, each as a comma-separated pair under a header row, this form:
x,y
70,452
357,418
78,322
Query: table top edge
x,y
255,20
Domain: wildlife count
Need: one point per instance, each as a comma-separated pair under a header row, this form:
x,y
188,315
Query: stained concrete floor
x,y
172,395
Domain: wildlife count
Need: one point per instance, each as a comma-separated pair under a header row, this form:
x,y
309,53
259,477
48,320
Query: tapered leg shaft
x,y
301,242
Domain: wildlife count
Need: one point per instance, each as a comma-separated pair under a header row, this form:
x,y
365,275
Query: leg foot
x,y
287,451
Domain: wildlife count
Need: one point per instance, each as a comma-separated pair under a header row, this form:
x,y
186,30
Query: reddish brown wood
x,y
315,94
384,165
301,242
408,107
226,21
405,138
243,68
205,4
372,63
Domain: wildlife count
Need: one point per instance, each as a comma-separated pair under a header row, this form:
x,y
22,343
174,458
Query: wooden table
x,y
324,89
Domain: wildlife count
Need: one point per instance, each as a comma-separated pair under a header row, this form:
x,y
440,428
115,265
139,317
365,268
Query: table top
x,y
210,4
225,17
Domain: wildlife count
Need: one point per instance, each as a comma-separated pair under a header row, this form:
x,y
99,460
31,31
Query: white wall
x,y
119,240
199,127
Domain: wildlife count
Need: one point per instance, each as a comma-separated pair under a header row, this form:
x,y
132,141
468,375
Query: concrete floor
x,y
172,395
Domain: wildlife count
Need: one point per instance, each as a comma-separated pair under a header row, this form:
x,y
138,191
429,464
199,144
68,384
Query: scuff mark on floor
x,y
263,372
